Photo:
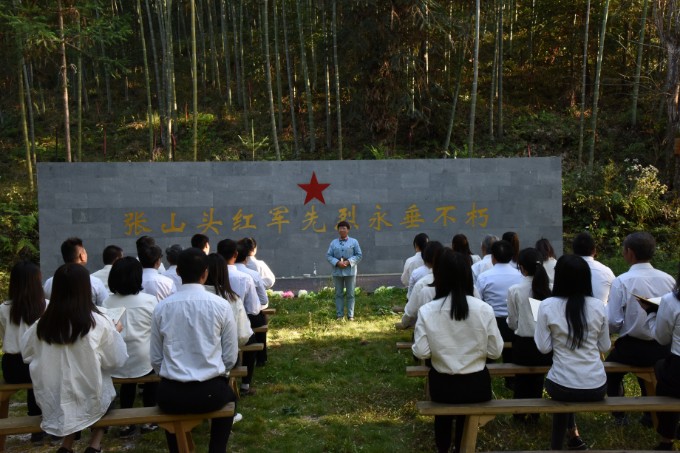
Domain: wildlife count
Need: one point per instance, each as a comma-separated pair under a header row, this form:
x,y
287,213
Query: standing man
x,y
193,347
344,254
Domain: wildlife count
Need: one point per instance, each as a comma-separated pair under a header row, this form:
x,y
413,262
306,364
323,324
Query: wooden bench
x,y
261,329
408,344
8,390
178,424
478,414
269,311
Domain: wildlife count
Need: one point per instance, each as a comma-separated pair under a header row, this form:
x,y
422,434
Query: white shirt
x,y
665,325
193,336
416,275
103,275
422,293
520,316
493,286
457,347
601,277
625,314
582,367
99,291
259,284
549,266
171,273
156,284
136,332
484,265
411,264
259,266
10,333
243,329
243,285
72,382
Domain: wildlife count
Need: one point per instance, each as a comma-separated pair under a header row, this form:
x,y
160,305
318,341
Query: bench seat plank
x,y
269,311
261,329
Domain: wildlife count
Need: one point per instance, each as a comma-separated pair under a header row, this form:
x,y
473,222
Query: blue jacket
x,y
348,249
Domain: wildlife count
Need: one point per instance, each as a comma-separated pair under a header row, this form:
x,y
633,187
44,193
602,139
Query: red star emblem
x,y
314,189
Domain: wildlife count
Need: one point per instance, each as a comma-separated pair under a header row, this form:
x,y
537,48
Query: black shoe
x,y
148,428
127,431
576,443
247,392
665,446
621,420
64,450
92,450
38,438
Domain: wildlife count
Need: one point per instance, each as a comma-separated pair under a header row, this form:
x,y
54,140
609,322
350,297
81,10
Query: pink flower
x,y
288,295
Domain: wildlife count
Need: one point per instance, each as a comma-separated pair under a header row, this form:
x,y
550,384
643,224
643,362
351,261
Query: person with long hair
x,y
125,281
535,285
457,332
72,351
259,266
547,252
460,243
25,305
664,322
573,325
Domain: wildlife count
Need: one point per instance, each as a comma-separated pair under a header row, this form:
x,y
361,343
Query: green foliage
x,y
617,199
19,224
253,144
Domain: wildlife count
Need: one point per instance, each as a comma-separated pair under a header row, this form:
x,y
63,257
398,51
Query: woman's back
x,y
580,367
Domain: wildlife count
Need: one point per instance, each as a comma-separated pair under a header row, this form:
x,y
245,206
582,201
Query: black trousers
x,y
129,391
562,422
668,384
508,336
259,320
249,361
16,371
525,352
194,398
456,388
637,352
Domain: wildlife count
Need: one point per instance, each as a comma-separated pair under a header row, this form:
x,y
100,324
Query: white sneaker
x,y
238,417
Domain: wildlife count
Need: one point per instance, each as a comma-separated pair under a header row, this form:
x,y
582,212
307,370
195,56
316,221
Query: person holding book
x,y
663,319
72,351
573,325
535,285
125,281
636,345
25,305
457,332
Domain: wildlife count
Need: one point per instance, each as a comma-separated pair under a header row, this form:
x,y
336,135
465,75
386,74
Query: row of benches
x,y
178,424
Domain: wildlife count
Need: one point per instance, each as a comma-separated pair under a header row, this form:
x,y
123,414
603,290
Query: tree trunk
x,y
291,86
494,74
500,70
225,49
268,76
31,116
475,75
454,104
194,81
64,85
584,78
147,82
305,74
24,127
638,64
79,90
596,88
336,70
277,69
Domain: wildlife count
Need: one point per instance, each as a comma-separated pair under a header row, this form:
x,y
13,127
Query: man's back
x,y
493,286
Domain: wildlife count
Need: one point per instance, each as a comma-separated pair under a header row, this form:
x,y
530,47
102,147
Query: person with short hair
x,y
256,264
602,277
201,242
73,252
344,253
493,286
194,344
423,290
110,255
72,351
415,261
457,333
125,281
25,305
636,344
513,239
431,250
153,282
172,255
485,264
573,325
147,241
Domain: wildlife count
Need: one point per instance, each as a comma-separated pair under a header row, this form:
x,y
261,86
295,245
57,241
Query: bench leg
x,y
4,413
182,431
470,430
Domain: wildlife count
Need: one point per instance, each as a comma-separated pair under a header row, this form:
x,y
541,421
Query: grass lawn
x,y
335,386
